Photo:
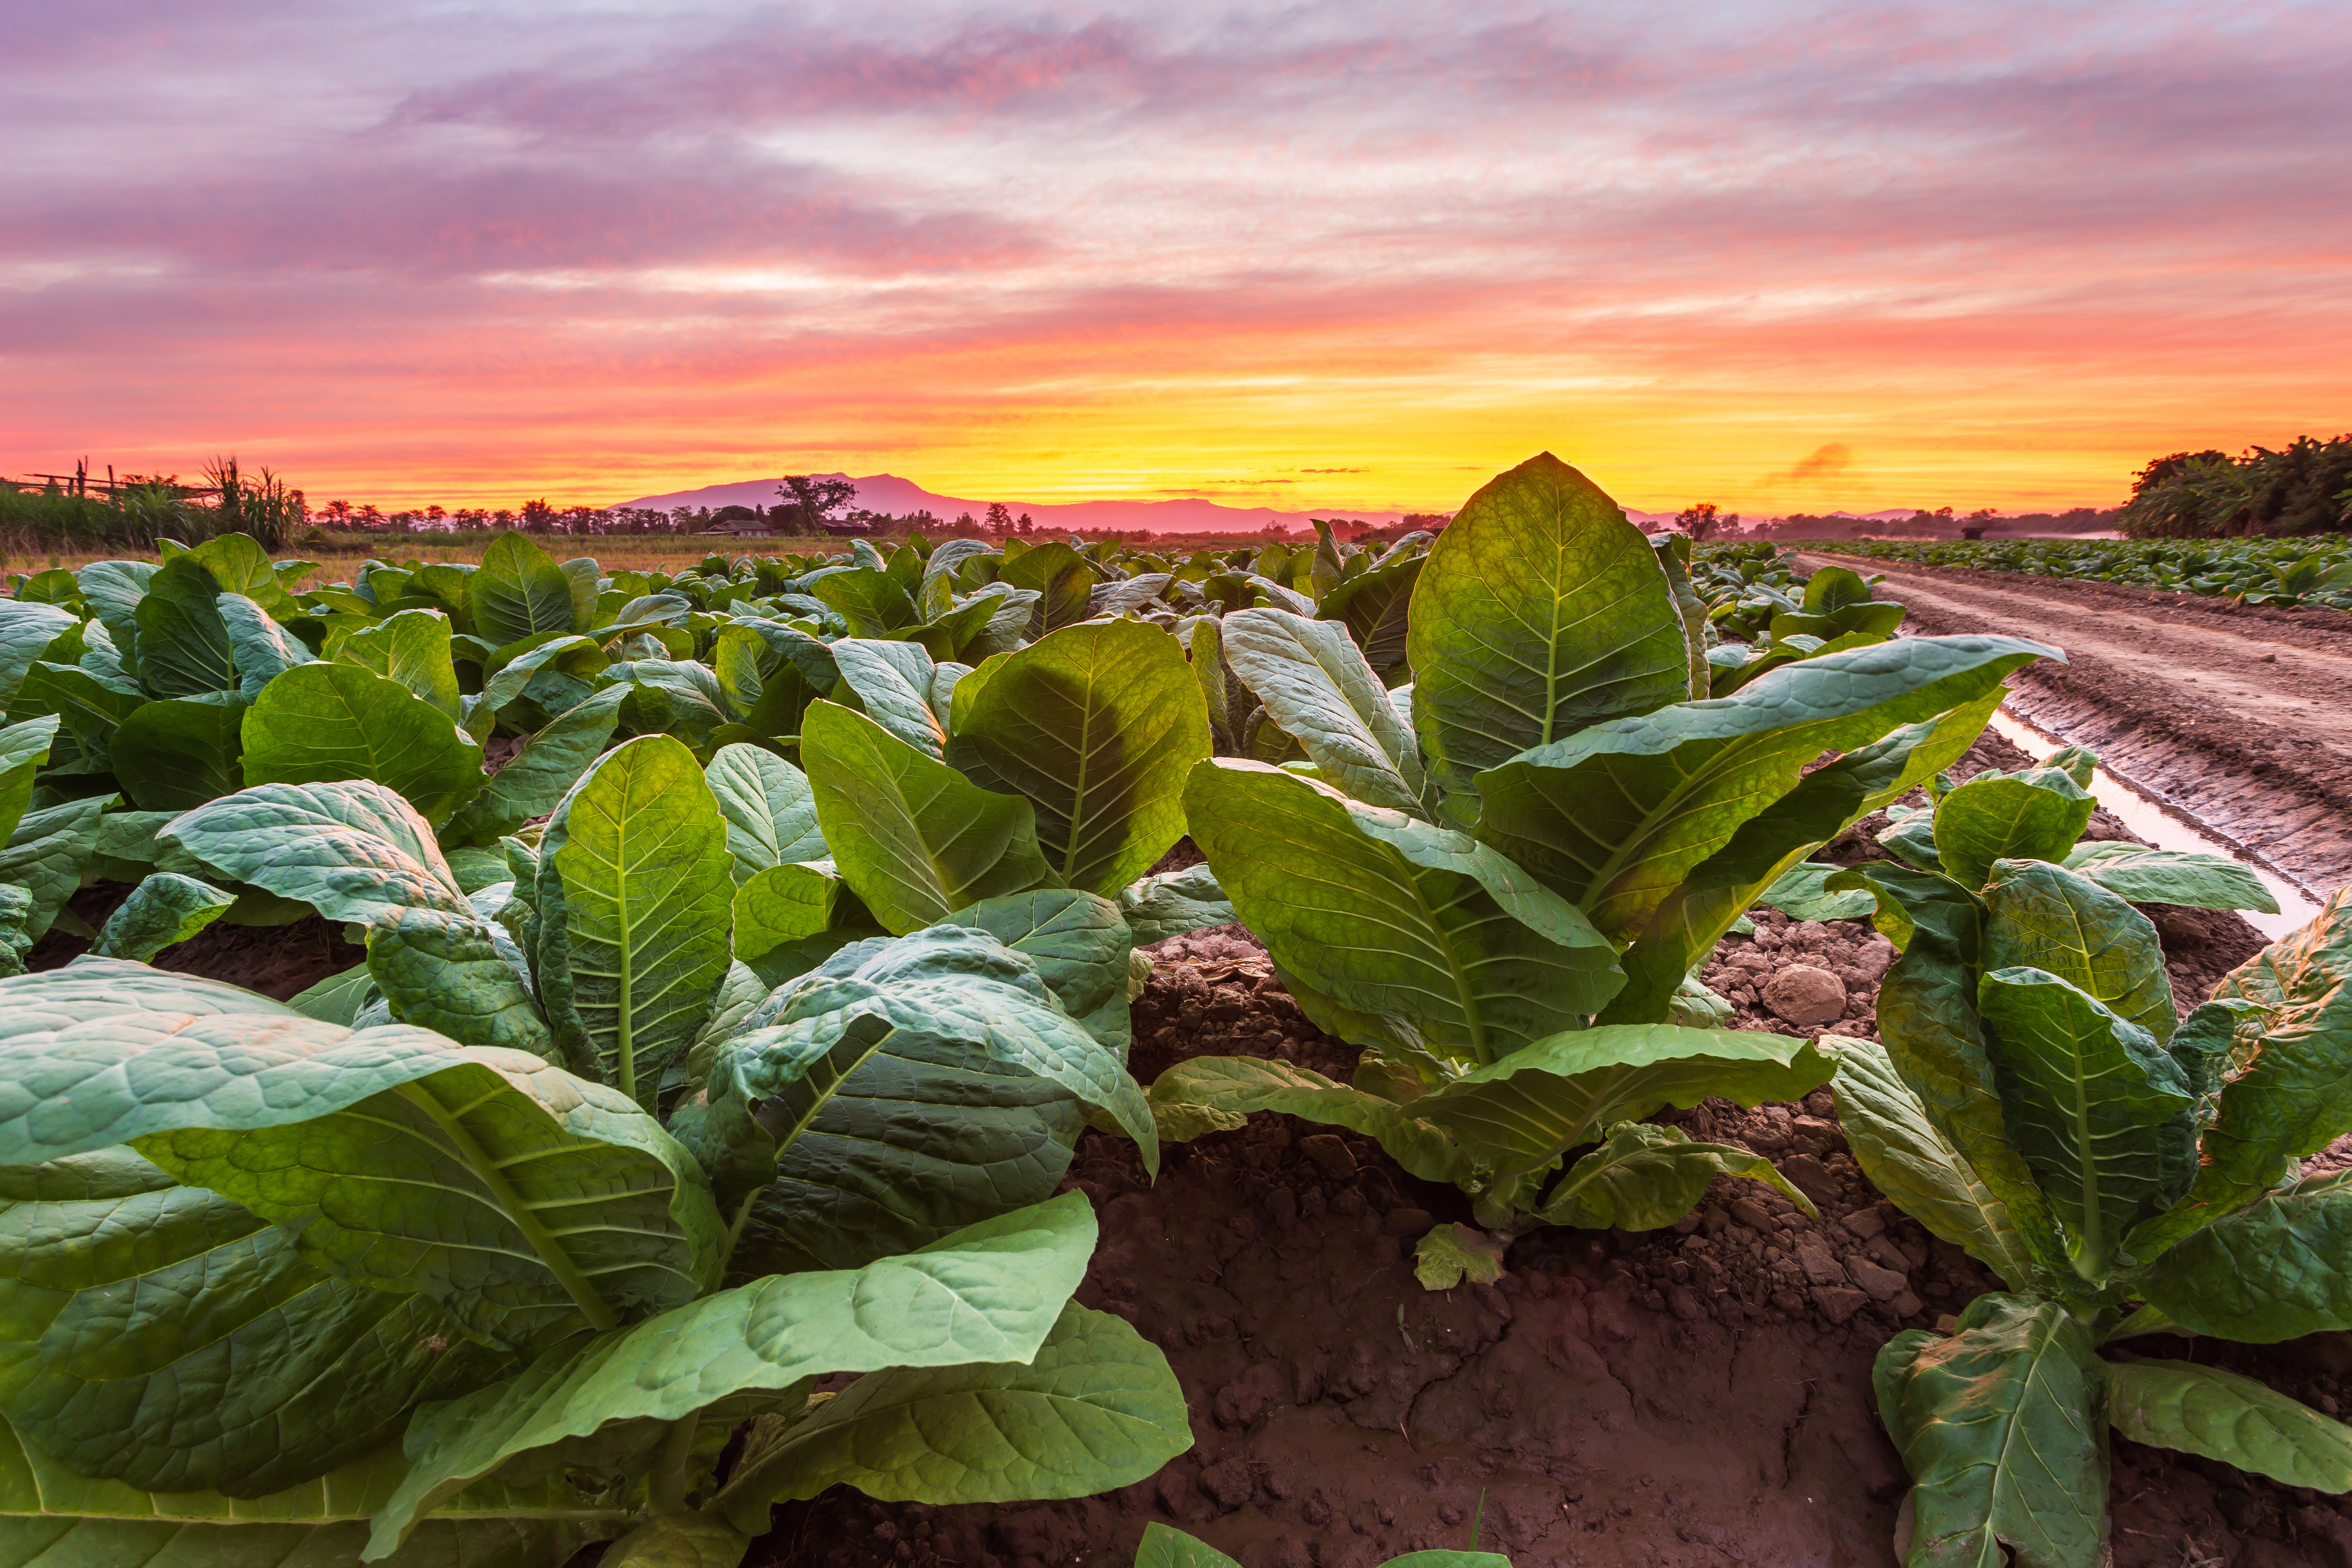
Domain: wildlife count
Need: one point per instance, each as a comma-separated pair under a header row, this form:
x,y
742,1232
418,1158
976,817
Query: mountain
x,y
889,493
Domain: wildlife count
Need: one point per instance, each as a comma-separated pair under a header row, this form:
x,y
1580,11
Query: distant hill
x,y
889,493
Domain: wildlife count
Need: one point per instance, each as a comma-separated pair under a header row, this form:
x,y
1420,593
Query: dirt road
x,y
2242,717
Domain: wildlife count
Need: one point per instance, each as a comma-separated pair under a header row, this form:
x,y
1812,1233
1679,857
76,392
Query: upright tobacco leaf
x,y
1907,1157
24,747
163,1336
1060,576
2033,815
892,683
534,780
912,837
411,647
1077,943
1318,686
1097,726
518,592
635,899
2043,917
1394,931
1376,605
2004,1428
2102,1114
325,722
26,629
2293,1095
261,649
181,752
770,809
1538,611
183,644
1613,817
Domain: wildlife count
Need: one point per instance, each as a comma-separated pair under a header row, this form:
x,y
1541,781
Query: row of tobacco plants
x,y
2281,574
734,1032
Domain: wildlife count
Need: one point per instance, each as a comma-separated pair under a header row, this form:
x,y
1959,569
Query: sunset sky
x,y
1788,257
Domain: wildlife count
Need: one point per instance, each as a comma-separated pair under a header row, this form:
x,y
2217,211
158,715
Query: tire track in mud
x,y
2239,720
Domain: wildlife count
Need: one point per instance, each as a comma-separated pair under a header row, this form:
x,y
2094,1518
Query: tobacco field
x,y
1523,1044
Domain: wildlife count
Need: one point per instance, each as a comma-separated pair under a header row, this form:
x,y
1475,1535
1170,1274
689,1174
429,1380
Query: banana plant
x,y
1498,880
2129,1175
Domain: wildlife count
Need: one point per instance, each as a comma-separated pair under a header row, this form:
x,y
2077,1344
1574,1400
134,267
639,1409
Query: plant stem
x,y
666,1488
735,1230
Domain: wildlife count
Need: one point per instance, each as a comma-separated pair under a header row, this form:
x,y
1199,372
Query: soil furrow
x,y
2242,718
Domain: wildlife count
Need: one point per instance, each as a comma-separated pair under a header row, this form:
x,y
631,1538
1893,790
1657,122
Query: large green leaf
x,y
905,1089
992,1292
356,852
1538,611
522,1199
2103,1115
47,853
91,708
1376,605
1217,1094
2274,1272
1418,937
1769,847
412,648
1614,817
161,1335
1526,1109
2042,916
183,644
2004,1428
52,1517
2290,1095
2139,875
635,899
24,747
1646,1177
261,648
174,755
321,723
1095,1408
914,838
534,780
2033,815
1317,685
518,592
26,629
2222,1415
1079,944
891,682
164,910
1097,726
1164,1548
459,975
1907,1157
1062,579
770,809
1170,903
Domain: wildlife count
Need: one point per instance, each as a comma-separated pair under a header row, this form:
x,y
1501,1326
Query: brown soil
x,y
1696,1395
280,962
2234,714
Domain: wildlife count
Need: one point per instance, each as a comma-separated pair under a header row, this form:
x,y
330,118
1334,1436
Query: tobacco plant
x,y
1498,879
2127,1174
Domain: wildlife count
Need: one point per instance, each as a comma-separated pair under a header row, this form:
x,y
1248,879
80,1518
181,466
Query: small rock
x,y
1230,1483
1884,1284
1408,1223
1865,1223
1749,1213
1906,1305
1804,995
2267,658
1811,1178
1819,1265
1685,1304
1946,1322
1838,1302
1331,1154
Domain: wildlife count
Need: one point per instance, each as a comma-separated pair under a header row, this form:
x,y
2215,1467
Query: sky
x,y
1785,256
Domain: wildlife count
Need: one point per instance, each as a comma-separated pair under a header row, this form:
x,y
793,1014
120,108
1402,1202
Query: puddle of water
x,y
2160,827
